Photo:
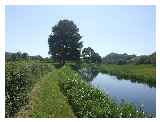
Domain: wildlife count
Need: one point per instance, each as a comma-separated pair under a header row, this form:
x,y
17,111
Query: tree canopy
x,y
115,58
90,56
64,42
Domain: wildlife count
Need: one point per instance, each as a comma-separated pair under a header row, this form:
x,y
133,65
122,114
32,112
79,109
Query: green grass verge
x,y
47,100
145,73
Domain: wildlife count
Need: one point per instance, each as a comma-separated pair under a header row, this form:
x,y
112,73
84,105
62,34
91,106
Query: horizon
x,y
100,55
100,25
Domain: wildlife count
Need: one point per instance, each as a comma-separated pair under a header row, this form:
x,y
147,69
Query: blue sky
x,y
120,29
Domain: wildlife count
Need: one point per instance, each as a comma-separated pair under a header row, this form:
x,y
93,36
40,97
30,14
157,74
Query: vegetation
x,y
63,92
89,56
64,42
20,77
35,88
143,73
19,56
46,99
87,101
114,58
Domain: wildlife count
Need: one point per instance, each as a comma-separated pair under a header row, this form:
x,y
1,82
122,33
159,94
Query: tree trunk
x,y
62,62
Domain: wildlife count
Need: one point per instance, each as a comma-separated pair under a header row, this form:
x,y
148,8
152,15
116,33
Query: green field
x,y
145,73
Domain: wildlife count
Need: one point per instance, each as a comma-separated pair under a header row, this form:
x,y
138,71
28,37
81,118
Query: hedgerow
x,y
20,76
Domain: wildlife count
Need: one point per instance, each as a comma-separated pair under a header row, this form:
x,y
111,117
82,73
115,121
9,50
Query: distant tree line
x,y
9,56
115,58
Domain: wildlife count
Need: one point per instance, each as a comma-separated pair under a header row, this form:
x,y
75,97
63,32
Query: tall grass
x,y
144,73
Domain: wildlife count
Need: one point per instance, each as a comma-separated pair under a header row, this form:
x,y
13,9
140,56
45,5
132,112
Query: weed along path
x,y
47,100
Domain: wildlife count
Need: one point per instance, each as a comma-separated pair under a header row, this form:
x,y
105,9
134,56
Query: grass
x,y
145,73
47,100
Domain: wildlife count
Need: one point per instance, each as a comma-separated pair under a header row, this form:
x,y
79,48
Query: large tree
x,y
64,42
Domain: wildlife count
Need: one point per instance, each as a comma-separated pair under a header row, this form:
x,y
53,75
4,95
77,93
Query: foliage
x,y
145,73
19,56
20,77
88,101
141,60
64,42
90,56
153,58
114,58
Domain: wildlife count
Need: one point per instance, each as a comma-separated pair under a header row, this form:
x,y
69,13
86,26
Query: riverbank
x,y
87,101
64,88
145,73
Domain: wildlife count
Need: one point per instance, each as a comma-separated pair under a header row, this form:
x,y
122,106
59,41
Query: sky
x,y
106,29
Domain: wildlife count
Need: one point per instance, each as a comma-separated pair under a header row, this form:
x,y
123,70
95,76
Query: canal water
x,y
141,95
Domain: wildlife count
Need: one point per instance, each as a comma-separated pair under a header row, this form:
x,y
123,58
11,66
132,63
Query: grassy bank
x,y
145,73
46,100
87,101
63,93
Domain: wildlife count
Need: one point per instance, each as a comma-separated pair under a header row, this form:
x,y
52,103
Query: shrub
x,y
20,77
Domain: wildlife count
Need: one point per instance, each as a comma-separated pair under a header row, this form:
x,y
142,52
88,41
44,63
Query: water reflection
x,y
89,73
118,88
134,93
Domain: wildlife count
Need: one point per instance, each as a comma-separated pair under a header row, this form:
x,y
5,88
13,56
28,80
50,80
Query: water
x,y
136,93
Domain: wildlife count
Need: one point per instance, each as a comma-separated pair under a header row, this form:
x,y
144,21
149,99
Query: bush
x,y
20,77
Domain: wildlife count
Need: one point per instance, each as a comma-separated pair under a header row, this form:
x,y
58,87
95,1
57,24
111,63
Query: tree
x,y
37,57
90,56
87,54
115,58
64,42
16,56
143,59
153,58
13,57
96,58
24,56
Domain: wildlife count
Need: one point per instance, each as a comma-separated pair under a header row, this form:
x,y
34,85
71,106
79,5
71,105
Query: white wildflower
x,y
130,114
